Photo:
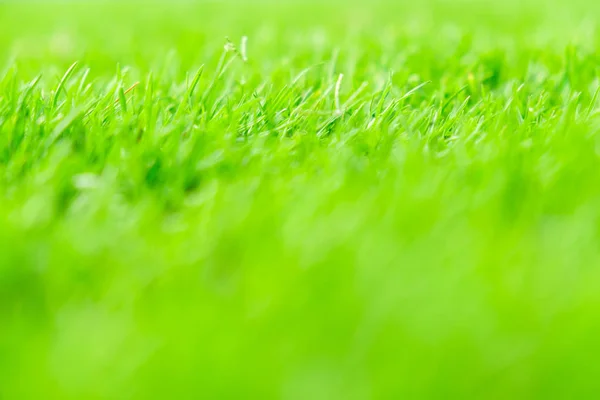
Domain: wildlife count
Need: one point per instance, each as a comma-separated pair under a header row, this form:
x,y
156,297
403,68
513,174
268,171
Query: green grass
x,y
389,201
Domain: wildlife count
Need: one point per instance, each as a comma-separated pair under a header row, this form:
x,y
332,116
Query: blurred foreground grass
x,y
392,201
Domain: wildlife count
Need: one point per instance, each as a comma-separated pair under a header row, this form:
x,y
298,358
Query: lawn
x,y
300,200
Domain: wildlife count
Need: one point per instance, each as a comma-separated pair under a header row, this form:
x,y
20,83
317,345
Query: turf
x,y
299,200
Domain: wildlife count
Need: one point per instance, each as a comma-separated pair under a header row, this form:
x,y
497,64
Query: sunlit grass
x,y
299,201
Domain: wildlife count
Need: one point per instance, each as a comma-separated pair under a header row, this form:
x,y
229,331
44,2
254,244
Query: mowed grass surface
x,y
384,202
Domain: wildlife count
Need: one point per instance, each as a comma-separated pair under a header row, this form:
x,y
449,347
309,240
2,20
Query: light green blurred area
x,y
250,242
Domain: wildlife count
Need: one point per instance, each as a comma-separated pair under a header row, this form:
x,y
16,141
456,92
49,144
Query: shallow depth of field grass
x,y
300,200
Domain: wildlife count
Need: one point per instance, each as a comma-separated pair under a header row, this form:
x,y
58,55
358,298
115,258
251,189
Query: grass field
x,y
300,200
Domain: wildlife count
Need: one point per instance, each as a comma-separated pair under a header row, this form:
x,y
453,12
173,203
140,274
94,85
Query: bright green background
x,y
431,230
